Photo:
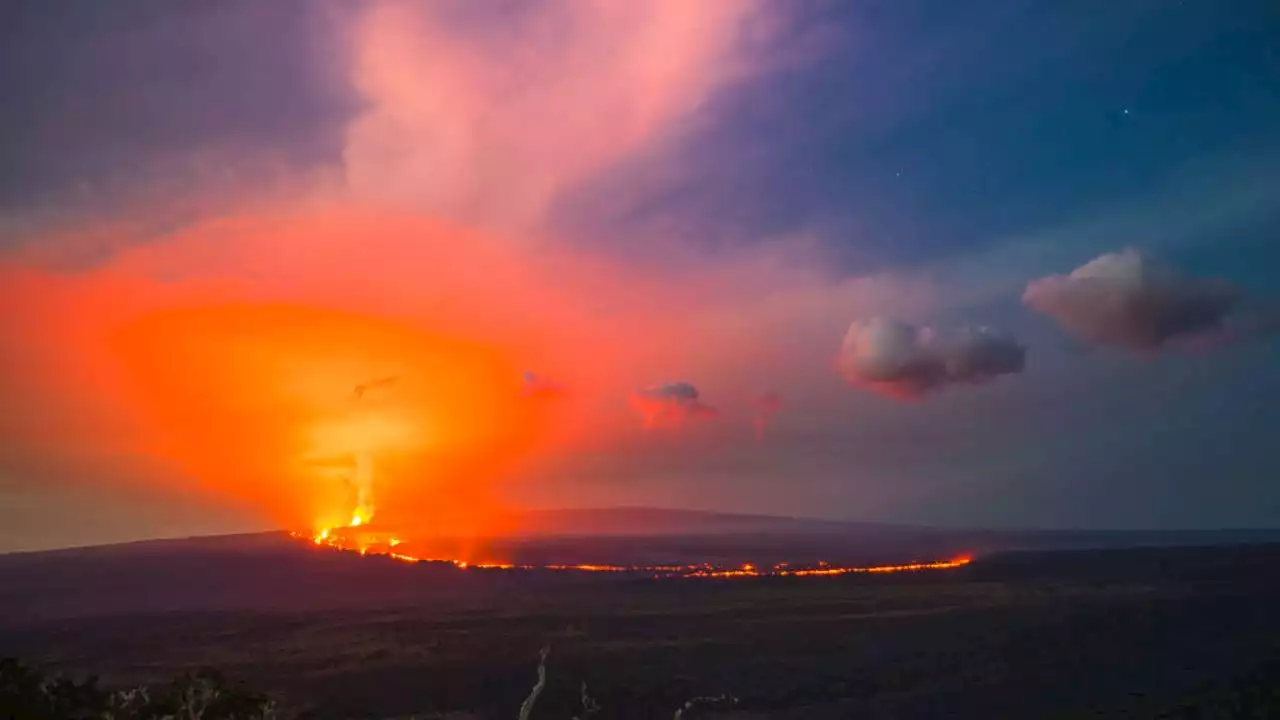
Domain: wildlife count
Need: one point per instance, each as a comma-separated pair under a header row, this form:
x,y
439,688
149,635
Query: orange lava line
x,y
822,569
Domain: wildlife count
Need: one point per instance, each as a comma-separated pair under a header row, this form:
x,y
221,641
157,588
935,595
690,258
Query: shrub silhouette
x,y
28,694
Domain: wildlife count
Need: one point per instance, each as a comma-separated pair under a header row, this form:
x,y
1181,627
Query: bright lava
x,y
328,539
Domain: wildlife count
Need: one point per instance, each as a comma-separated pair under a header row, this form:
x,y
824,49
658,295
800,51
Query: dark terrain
x,y
1147,632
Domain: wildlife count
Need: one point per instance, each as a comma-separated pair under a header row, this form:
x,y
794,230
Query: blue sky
x,y
918,160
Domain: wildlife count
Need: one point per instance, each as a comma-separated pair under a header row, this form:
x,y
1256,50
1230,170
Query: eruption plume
x,y
361,476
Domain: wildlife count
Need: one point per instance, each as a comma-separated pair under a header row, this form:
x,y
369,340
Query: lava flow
x,y
389,545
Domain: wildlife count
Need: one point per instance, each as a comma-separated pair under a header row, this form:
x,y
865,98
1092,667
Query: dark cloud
x,y
1133,301
670,404
904,361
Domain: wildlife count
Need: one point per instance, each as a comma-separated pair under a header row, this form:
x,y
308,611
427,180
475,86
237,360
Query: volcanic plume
x,y
349,337
362,470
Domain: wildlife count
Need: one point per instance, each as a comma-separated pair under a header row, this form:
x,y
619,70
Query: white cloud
x,y
905,361
1131,300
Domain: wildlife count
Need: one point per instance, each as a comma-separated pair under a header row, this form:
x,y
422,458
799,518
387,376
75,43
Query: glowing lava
x,y
384,546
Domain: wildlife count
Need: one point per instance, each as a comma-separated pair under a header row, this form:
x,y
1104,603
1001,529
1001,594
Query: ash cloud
x,y
1133,301
907,362
670,404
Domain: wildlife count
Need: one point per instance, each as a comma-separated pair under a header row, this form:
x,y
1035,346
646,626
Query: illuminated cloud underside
x,y
907,362
1133,301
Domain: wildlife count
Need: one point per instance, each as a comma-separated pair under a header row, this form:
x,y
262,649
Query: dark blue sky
x,y
969,148
938,129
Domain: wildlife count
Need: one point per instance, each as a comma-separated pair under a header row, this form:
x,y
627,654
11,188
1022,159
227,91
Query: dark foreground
x,y
1099,634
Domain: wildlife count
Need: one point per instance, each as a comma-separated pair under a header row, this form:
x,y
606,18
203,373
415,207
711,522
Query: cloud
x,y
1133,301
487,116
906,362
670,404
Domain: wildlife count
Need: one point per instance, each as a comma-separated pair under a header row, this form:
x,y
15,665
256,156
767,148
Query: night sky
x,y
1009,264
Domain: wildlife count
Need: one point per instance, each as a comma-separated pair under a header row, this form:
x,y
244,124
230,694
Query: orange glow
x,y
228,355
257,401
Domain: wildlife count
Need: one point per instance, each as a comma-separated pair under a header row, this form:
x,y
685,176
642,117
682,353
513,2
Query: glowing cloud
x,y
907,362
1132,301
669,404
488,128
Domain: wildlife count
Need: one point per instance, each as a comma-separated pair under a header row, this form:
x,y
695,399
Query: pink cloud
x,y
488,130
766,405
906,362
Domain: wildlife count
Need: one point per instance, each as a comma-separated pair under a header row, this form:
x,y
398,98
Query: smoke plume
x,y
362,470
362,477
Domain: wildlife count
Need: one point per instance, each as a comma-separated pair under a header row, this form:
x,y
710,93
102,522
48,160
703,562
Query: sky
x,y
1012,265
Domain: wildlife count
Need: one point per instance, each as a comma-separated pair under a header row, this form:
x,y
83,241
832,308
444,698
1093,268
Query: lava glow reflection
x,y
385,547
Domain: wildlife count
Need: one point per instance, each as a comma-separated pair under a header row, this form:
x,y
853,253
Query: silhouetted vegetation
x,y
1175,634
28,694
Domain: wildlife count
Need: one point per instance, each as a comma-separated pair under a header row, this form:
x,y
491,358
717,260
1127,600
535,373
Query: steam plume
x,y
362,475
362,468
